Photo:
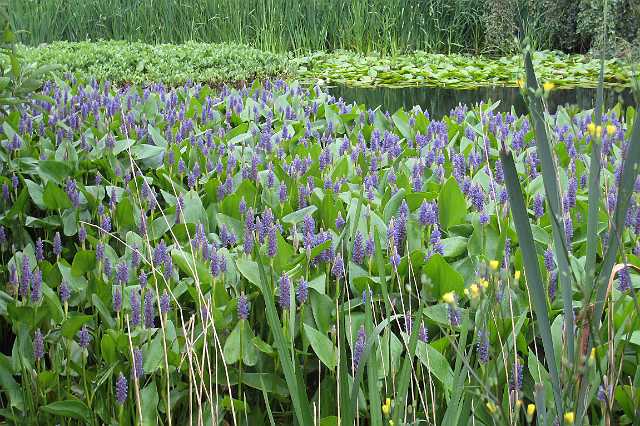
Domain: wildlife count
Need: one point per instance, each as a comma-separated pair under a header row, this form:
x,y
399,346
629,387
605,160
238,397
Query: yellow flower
x,y
569,417
517,275
493,264
474,290
599,130
547,86
591,128
449,298
531,409
491,407
386,407
484,283
520,83
518,404
611,130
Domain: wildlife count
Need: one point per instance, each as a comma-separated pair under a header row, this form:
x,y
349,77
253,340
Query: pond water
x,y
439,101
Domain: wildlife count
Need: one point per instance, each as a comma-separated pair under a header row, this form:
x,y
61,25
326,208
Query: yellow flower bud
x,y
531,409
599,130
569,417
449,298
491,407
484,283
516,275
518,404
547,86
591,128
611,130
493,264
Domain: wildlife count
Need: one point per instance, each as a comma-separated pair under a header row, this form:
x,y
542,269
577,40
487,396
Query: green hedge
x,y
122,61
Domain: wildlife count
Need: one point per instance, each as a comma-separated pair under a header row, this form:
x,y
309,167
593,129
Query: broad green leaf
x,y
322,346
73,408
452,205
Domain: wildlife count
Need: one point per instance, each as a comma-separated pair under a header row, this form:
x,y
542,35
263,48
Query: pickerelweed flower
x,y
338,267
84,338
36,286
339,222
538,206
38,345
138,372
553,285
39,250
302,292
483,347
358,347
122,273
358,248
284,297
64,291
25,277
121,389
243,307
624,279
149,310
549,262
135,308
57,244
515,382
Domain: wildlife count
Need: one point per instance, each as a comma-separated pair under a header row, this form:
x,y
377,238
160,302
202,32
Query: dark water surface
x,y
440,101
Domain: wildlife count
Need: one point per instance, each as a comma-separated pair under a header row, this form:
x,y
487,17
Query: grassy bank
x,y
120,61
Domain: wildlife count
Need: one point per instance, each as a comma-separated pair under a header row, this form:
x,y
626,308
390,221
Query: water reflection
x,y
440,101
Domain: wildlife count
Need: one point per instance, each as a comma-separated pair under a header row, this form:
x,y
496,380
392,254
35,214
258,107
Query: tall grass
x,y
276,25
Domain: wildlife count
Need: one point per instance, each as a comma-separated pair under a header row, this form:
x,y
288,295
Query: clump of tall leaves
x,y
577,371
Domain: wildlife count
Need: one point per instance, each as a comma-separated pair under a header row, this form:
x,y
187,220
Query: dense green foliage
x,y
457,71
397,26
123,62
269,253
18,81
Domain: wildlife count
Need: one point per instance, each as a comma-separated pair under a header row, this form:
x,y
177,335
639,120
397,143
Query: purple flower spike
x,y
165,303
57,244
302,292
483,347
122,273
338,267
339,222
84,338
135,308
243,307
284,298
149,311
138,372
36,286
38,345
39,250
64,292
117,300
121,389
358,248
624,279
359,345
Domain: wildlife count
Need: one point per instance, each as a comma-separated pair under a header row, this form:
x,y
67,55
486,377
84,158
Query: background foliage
x,y
389,26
